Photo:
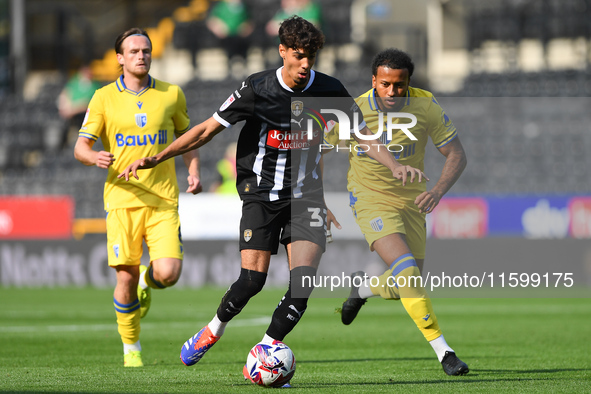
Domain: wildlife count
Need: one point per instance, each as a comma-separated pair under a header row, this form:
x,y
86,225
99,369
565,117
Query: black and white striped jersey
x,y
277,158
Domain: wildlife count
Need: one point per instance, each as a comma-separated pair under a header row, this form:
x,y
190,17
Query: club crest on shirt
x,y
377,224
141,119
297,107
227,103
247,235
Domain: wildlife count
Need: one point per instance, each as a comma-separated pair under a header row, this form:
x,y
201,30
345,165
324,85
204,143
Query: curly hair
x,y
296,32
392,58
134,31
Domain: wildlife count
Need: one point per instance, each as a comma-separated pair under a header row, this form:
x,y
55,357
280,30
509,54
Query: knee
x,y
169,277
169,280
168,273
127,276
247,286
251,282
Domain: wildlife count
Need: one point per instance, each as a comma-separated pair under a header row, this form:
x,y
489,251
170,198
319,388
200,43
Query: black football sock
x,y
293,304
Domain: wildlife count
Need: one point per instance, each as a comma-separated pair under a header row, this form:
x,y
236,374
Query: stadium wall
x,y
480,237
84,263
466,216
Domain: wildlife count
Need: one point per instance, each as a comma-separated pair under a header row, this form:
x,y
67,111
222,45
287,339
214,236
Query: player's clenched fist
x,y
104,159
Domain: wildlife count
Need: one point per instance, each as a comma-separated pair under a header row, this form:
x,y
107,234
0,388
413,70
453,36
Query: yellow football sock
x,y
128,321
413,295
385,287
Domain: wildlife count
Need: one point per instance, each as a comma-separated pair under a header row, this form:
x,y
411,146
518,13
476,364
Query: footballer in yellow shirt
x,y
138,116
390,215
372,190
137,124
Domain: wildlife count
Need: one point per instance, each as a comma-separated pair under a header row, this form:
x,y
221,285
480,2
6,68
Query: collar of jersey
x,y
123,88
284,86
373,103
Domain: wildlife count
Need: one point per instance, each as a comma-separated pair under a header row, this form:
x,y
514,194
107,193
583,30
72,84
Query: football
x,y
270,365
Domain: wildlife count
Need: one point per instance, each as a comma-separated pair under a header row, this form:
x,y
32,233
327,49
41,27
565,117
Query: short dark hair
x,y
131,32
392,58
296,32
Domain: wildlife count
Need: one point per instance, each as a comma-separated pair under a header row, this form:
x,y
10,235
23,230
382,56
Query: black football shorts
x,y
264,224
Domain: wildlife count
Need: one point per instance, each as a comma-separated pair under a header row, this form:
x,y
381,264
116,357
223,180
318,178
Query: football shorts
x,y
265,224
379,217
127,228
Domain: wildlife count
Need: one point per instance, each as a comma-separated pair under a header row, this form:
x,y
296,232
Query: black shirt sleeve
x,y
238,106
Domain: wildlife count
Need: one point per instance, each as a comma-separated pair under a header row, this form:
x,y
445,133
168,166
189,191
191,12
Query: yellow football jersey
x,y
132,125
365,172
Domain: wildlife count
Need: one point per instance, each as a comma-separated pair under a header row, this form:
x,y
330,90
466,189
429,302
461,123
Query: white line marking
x,y
256,321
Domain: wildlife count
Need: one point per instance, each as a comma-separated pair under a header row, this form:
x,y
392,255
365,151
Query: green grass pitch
x,y
66,341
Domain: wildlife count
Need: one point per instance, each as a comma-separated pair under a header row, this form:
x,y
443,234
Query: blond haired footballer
x,y
392,217
138,115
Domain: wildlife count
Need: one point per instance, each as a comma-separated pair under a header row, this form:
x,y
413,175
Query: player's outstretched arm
x,y
455,162
84,153
191,140
379,152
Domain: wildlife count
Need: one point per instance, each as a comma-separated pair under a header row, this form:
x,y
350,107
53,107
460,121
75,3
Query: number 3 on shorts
x,y
317,219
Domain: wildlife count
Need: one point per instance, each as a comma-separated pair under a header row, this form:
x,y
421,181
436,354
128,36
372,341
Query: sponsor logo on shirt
x,y
141,140
294,139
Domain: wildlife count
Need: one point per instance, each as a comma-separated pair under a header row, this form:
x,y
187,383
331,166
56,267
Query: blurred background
x,y
513,75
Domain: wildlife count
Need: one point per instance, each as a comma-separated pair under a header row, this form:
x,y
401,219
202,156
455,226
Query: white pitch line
x,y
256,321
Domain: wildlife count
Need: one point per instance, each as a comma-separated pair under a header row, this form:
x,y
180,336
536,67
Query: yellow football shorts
x,y
379,215
127,228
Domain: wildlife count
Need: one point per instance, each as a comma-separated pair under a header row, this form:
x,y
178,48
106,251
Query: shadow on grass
x,y
525,371
343,360
362,360
456,380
